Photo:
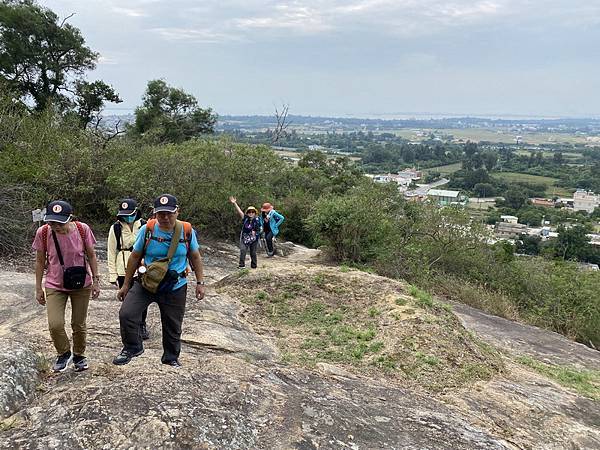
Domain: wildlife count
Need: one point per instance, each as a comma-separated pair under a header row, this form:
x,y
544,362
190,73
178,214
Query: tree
x,y
529,245
470,149
40,55
170,114
515,197
484,190
557,158
90,100
573,243
314,159
282,123
490,159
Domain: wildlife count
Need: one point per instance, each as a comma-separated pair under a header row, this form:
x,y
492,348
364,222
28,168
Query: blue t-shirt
x,y
157,250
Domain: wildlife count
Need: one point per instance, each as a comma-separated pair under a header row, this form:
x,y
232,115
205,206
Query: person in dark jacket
x,y
249,234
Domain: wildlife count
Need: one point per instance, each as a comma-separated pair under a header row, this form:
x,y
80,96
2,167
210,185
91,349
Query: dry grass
x,y
366,323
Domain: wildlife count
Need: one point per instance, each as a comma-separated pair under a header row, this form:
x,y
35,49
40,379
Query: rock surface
x,y
234,392
19,375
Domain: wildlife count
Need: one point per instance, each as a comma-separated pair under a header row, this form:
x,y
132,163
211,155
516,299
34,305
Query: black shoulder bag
x,y
73,277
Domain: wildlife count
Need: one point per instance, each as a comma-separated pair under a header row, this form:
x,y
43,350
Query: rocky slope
x,y
251,380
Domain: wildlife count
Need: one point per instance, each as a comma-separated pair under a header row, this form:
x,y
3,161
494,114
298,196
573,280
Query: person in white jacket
x,y
121,237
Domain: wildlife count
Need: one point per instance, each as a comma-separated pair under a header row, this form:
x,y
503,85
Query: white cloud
x,y
107,60
129,12
194,35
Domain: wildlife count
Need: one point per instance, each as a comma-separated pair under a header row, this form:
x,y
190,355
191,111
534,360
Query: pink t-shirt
x,y
72,249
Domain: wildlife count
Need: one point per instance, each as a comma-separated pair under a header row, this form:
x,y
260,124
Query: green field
x,y
549,182
548,154
491,135
445,170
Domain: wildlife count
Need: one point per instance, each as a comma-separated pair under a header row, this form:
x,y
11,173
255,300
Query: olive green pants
x,y
56,302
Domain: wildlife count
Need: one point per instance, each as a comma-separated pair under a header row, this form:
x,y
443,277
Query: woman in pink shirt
x,y
66,249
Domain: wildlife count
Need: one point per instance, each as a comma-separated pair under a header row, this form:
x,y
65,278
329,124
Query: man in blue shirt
x,y
152,243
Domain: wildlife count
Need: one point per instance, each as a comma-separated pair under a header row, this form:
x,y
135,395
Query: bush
x,y
357,226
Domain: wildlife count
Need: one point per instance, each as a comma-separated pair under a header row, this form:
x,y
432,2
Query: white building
x,y
585,201
443,197
509,219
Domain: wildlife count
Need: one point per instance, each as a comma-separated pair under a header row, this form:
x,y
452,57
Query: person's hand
x,y
121,293
40,296
95,290
232,199
200,289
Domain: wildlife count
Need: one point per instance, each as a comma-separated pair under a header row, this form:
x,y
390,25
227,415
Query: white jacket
x,y
117,260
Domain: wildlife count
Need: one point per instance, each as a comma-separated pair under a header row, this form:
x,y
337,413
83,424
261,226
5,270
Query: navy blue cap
x,y
127,207
165,202
58,211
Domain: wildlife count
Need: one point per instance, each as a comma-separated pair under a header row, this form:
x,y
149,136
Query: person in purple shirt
x,y
65,248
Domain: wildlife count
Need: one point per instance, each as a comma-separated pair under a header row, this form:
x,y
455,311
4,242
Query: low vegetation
x,y
365,323
585,382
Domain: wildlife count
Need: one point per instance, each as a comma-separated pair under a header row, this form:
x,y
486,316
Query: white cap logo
x,y
124,205
164,200
56,209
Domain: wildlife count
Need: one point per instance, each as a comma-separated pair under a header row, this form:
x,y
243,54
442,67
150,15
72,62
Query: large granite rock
x,y
19,375
233,391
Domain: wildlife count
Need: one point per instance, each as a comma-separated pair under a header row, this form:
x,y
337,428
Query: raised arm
x,y
237,208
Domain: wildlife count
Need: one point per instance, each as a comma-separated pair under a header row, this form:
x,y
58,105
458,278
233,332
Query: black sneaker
x,y
175,364
144,332
62,362
125,357
241,267
80,363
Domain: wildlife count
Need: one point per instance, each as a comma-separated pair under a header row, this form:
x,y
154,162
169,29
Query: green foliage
x,y
515,197
202,174
357,226
573,243
90,99
170,115
40,55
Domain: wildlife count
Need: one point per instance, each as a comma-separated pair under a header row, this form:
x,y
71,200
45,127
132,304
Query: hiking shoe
x,y
144,332
175,364
125,357
241,267
80,363
62,362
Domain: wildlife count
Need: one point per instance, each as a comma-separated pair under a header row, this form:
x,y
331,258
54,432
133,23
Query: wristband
x,y
201,283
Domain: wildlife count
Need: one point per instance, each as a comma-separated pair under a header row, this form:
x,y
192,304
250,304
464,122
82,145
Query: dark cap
x,y
58,211
165,202
127,207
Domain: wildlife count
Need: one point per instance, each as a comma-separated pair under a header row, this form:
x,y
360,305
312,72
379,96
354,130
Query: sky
x,y
359,58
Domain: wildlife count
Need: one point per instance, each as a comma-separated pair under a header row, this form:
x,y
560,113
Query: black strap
x,y
118,229
59,253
